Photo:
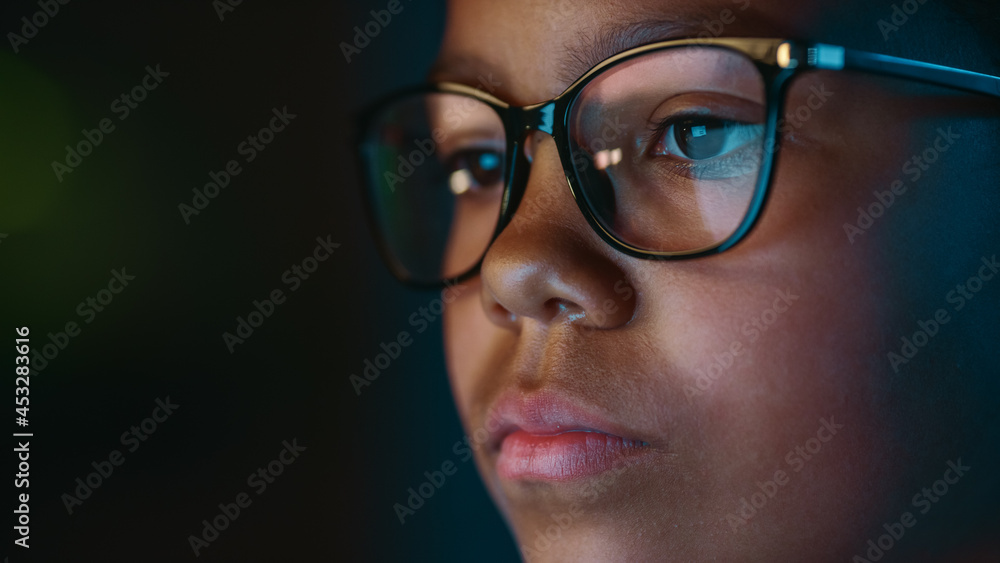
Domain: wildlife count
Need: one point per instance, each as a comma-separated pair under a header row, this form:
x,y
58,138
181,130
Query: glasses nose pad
x,y
533,140
523,155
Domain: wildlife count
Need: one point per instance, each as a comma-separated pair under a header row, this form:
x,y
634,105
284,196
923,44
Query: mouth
x,y
544,437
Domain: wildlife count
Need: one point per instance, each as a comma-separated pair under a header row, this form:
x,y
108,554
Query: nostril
x,y
569,311
496,312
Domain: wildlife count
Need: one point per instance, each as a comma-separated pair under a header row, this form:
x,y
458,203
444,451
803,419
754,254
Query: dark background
x,y
162,336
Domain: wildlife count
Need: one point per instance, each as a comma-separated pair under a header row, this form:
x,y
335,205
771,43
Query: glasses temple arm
x,y
837,58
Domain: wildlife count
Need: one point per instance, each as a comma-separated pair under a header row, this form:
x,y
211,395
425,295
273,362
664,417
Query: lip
x,y
543,436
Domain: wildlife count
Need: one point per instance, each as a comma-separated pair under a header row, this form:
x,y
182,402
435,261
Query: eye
x,y
703,138
475,169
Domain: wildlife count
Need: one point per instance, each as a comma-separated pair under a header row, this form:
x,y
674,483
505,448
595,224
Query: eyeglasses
x,y
668,150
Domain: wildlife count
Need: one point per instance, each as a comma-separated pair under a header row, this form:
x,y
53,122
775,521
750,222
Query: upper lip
x,y
545,413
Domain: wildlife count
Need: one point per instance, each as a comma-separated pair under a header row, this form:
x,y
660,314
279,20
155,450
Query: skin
x,y
556,309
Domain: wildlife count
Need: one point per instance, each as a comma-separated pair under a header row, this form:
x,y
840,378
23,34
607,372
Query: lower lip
x,y
562,457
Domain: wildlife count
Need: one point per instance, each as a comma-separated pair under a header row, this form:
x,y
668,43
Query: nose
x,y
548,265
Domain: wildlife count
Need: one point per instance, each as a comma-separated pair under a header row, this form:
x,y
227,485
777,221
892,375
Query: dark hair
x,y
959,33
983,17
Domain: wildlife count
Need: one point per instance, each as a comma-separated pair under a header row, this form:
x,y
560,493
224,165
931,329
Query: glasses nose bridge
x,y
538,118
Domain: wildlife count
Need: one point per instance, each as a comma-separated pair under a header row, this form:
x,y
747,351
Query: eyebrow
x,y
611,39
603,42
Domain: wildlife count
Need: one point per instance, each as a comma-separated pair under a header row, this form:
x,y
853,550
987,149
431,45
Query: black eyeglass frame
x,y
778,60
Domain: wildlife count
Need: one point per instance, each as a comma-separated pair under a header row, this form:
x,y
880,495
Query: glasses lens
x,y
667,147
435,165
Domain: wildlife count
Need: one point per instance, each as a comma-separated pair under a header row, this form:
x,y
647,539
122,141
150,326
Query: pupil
x,y
488,161
700,139
485,167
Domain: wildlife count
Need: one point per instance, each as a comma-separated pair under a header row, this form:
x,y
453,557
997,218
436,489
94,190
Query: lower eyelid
x,y
705,167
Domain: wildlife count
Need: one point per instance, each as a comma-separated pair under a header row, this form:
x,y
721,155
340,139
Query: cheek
x,y
468,338
763,359
788,328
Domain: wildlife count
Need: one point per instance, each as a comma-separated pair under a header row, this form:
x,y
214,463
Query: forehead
x,y
527,51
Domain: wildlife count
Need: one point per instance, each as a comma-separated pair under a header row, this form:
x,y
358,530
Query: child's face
x,y
759,374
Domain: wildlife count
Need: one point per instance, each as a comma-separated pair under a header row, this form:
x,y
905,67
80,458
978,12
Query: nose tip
x,y
584,297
